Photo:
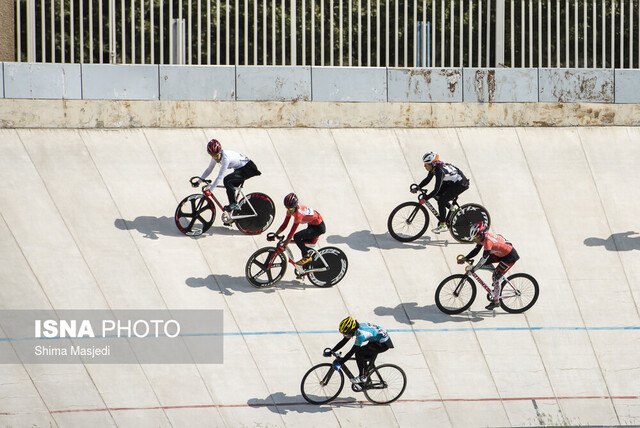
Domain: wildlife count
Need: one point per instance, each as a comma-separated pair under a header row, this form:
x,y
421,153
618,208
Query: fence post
x,y
500,25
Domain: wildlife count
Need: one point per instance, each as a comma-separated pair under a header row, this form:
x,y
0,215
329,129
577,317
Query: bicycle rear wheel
x,y
195,214
466,216
337,266
385,384
322,384
408,221
265,267
455,294
519,293
265,213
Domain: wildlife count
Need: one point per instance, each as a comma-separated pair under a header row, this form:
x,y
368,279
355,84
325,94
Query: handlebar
x,y
197,180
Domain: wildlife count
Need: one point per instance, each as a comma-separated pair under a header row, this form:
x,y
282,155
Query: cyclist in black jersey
x,y
450,183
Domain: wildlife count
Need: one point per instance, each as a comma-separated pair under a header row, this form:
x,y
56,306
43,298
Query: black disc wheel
x,y
455,294
408,221
519,293
322,384
385,384
265,267
265,211
466,216
195,215
336,267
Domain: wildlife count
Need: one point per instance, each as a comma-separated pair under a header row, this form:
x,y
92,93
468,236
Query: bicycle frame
x,y
502,279
423,201
209,194
300,271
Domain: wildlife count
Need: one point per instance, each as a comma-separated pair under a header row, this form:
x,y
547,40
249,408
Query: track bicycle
x,y
268,265
323,382
456,293
410,220
195,213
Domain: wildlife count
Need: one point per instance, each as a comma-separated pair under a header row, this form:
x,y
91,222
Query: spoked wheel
x,y
195,215
337,265
455,294
466,216
519,293
265,267
265,213
385,384
408,221
322,384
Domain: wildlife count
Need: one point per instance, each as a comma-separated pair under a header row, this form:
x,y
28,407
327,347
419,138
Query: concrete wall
x,y
319,84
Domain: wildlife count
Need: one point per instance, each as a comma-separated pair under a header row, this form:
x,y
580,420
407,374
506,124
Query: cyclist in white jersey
x,y
370,341
243,167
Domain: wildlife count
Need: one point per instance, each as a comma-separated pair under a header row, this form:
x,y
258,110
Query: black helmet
x,y
291,200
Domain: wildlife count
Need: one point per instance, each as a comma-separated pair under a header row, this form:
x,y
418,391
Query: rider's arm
x,y
426,180
439,173
482,261
224,164
473,252
284,224
293,230
207,171
340,344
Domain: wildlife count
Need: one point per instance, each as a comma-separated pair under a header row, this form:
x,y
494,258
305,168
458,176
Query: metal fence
x,y
370,33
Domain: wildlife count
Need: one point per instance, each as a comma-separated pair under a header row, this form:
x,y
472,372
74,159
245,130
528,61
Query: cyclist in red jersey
x,y
301,214
496,250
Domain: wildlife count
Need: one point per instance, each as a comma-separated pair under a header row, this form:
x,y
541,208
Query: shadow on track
x,y
428,313
364,240
150,227
616,242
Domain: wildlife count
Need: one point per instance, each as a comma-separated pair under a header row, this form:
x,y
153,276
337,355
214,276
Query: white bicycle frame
x,y
484,285
300,269
231,216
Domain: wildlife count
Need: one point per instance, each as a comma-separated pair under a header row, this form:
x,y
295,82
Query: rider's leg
x,y
236,179
308,236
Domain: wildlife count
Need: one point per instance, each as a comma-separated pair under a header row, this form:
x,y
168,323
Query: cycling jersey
x,y
304,215
496,245
444,173
229,159
370,332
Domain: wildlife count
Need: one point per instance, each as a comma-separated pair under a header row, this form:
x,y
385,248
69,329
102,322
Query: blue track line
x,y
399,330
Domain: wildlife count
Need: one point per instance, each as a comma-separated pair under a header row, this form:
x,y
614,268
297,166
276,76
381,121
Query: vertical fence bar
x,y
585,21
621,33
274,53
451,38
461,34
386,34
397,50
378,33
350,32
331,27
442,51
488,59
294,60
470,33
558,45
613,33
43,34
245,39
540,33
594,33
133,31
530,33
522,35
359,33
304,33
424,34
19,30
152,33
264,32
368,33
142,49
236,32
313,33
604,31
575,33
405,37
341,33
255,32
123,40
208,6
161,6
631,35
81,19
566,33
433,33
62,33
480,34
322,32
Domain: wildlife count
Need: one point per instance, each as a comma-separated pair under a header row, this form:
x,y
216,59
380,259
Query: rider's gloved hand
x,y
462,260
414,190
271,237
196,183
326,353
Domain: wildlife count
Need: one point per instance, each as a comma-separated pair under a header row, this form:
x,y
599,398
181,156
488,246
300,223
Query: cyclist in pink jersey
x,y
496,250
301,214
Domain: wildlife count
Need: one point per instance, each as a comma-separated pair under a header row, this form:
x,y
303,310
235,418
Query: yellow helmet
x,y
347,325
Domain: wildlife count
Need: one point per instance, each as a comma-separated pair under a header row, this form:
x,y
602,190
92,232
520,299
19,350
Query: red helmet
x,y
478,230
214,147
291,200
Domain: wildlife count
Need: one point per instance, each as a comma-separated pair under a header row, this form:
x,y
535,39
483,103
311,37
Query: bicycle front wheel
x,y
337,266
519,293
322,384
408,221
455,294
265,211
195,214
466,216
265,267
385,384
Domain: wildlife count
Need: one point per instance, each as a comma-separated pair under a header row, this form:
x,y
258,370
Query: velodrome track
x,y
87,223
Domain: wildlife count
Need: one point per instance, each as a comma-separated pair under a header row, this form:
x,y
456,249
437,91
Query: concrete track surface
x,y
87,222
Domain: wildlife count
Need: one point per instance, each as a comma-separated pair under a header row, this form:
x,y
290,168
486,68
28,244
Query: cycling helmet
x,y
214,147
478,229
347,325
291,200
430,157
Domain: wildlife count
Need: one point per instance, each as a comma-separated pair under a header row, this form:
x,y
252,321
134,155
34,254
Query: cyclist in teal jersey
x,y
370,341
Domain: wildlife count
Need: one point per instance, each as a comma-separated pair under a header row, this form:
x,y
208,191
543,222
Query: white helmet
x,y
430,157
